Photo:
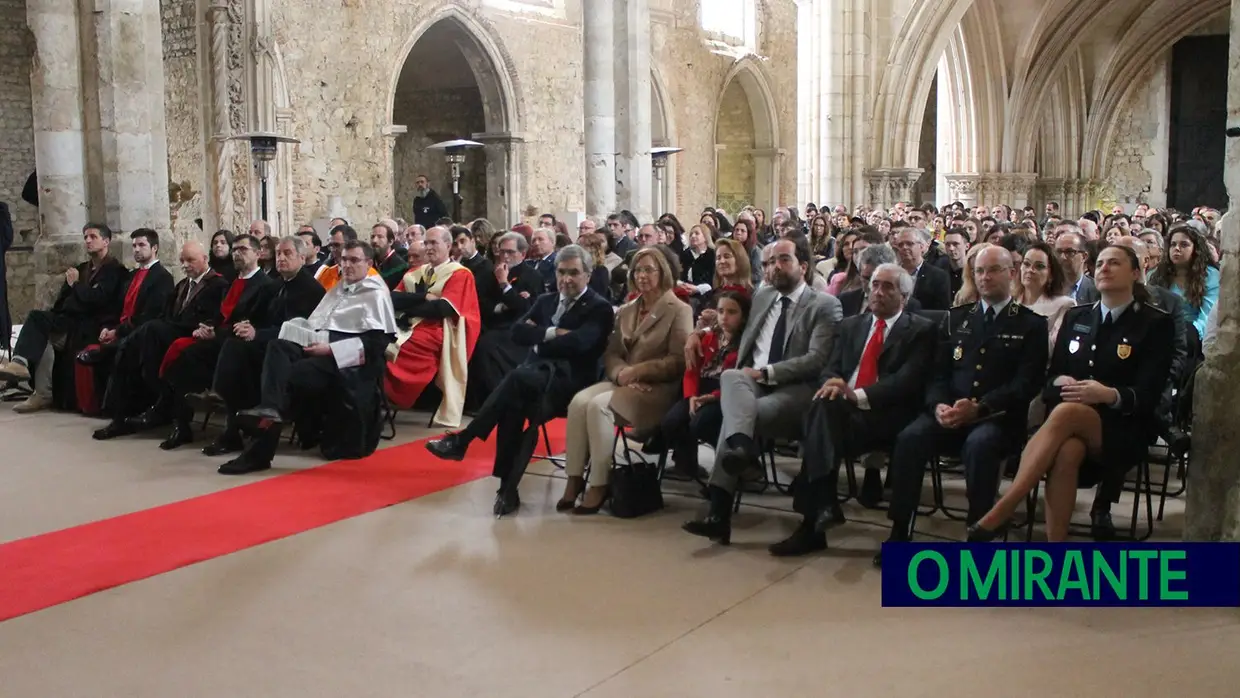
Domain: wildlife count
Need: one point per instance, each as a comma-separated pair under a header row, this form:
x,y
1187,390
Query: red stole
x,y
226,310
131,296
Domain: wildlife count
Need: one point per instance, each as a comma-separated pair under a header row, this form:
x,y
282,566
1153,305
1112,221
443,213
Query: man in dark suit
x,y
871,388
134,382
1070,248
856,301
240,366
566,333
990,367
478,264
89,300
189,364
542,256
931,285
956,249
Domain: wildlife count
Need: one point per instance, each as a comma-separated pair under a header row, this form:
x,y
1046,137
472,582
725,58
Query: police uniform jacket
x,y
1000,364
1133,355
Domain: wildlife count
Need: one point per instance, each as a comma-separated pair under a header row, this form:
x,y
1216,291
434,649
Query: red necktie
x,y
231,298
131,296
867,372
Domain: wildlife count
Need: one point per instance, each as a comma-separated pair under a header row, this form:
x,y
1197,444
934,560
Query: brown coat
x,y
655,349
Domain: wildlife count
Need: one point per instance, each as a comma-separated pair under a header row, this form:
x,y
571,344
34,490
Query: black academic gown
x,y
496,353
6,241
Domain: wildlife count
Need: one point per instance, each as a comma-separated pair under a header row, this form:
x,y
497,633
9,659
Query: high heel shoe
x,y
594,500
977,534
576,485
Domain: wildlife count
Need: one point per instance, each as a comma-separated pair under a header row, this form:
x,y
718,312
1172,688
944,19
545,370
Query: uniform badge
x,y
1073,346
959,353
1123,351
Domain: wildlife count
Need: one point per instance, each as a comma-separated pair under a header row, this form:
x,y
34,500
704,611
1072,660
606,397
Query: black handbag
x,y
635,490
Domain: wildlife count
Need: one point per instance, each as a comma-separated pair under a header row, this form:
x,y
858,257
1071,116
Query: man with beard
x,y
390,264
134,383
89,299
336,382
240,364
427,206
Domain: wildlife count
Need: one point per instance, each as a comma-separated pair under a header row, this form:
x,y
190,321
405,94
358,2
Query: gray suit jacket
x,y
1088,292
810,334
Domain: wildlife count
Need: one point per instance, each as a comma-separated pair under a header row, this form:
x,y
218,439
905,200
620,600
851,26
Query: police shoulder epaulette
x,y
964,305
1151,306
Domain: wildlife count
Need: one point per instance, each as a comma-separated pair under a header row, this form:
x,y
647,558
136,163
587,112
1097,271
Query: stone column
x,y
1049,189
59,140
503,200
633,109
963,188
598,34
1213,504
131,114
221,147
391,132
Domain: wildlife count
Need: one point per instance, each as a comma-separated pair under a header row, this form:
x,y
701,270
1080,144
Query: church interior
x,y
404,144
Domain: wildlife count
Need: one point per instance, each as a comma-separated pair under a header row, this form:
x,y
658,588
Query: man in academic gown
x,y
390,263
516,285
89,299
240,365
134,383
441,304
6,241
337,382
189,364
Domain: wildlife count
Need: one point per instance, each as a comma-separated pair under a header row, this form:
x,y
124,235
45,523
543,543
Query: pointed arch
x,y
748,75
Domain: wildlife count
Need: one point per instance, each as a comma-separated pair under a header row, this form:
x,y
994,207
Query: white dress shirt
x,y
762,345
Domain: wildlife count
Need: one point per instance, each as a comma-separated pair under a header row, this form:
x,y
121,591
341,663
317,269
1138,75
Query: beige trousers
x,y
591,436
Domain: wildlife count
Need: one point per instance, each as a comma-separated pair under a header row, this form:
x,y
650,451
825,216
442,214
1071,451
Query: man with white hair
x,y
871,389
1089,229
932,286
260,229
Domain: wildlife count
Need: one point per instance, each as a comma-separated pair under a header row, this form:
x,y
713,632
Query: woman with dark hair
x,y
221,254
674,231
745,232
1107,372
722,224
1044,287
850,278
1015,245
1187,271
708,219
267,255
821,237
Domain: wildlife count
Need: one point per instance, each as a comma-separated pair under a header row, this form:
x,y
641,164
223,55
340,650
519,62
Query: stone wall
x,y
16,126
925,191
734,132
1137,161
187,185
433,117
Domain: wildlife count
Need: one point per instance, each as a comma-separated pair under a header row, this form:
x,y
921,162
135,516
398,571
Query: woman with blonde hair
x,y
600,277
644,365
968,285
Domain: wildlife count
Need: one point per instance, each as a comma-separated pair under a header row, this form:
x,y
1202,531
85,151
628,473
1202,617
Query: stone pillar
x,y
503,187
1049,189
131,114
1023,189
963,188
888,185
633,109
391,132
221,128
59,140
598,34
1213,505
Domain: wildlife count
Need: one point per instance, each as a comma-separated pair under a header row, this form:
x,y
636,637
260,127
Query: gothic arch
x,y
973,73
663,134
748,75
1063,123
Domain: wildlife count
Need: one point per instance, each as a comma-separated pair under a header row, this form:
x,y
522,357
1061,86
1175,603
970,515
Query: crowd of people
x,y
892,336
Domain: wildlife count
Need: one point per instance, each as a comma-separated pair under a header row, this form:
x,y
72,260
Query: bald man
x,y
134,382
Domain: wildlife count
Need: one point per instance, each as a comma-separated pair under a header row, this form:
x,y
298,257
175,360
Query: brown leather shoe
x,y
576,485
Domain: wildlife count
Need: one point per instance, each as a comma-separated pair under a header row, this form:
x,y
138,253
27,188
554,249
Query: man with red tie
x,y
872,388
149,288
189,364
134,383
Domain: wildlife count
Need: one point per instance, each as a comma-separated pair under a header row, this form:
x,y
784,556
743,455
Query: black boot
x,y
717,524
1101,527
803,541
182,430
117,427
157,416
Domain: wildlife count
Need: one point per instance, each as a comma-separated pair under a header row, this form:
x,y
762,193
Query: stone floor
x,y
435,598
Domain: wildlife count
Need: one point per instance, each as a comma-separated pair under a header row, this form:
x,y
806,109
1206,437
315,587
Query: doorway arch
x,y
747,151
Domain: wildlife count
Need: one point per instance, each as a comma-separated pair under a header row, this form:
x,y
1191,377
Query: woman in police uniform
x,y
1107,372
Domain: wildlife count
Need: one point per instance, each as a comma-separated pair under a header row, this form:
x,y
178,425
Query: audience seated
x,y
732,273
1044,287
542,256
1187,270
781,355
856,301
697,264
465,248
221,254
329,274
932,287
565,334
1108,369
189,363
439,303
986,372
643,366
871,389
600,277
389,262
134,383
90,299
336,383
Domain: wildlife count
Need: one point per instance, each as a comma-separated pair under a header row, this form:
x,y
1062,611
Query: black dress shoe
x,y
112,430
242,465
739,454
262,417
506,502
224,443
181,435
803,541
871,494
1101,527
830,517
977,534
713,527
450,447
150,419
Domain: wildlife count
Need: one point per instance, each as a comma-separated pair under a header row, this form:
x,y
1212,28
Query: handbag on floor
x,y
635,490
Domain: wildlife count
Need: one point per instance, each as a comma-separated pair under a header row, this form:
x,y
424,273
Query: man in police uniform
x,y
992,364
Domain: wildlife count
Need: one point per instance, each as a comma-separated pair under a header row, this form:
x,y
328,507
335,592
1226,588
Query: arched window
x,y
732,22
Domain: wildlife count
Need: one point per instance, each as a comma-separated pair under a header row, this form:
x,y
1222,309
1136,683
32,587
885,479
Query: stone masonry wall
x,y
187,186
734,131
16,134
434,116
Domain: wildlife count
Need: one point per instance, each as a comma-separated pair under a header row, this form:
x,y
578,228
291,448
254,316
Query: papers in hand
x,y
299,331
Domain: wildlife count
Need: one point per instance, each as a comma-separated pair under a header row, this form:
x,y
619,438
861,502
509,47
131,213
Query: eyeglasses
x,y
242,248
353,260
1036,266
1069,252
646,270
508,253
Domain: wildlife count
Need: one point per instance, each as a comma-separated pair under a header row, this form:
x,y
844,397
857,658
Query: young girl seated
x,y
698,417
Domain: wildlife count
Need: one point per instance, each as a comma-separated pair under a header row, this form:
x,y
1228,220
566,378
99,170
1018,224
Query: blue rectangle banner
x,y
1061,574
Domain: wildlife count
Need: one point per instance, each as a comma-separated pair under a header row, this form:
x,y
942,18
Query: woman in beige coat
x,y
643,366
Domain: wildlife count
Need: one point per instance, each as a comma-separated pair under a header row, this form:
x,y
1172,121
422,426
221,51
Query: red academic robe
x,y
422,358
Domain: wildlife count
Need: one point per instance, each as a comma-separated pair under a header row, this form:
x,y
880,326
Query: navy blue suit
x,y
542,386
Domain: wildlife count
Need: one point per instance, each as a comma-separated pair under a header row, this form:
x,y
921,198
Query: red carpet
x,y
53,568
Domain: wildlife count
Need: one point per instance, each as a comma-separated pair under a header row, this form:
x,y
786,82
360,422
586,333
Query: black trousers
x,y
194,368
835,430
981,448
682,431
495,356
40,328
238,373
288,373
506,411
134,383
